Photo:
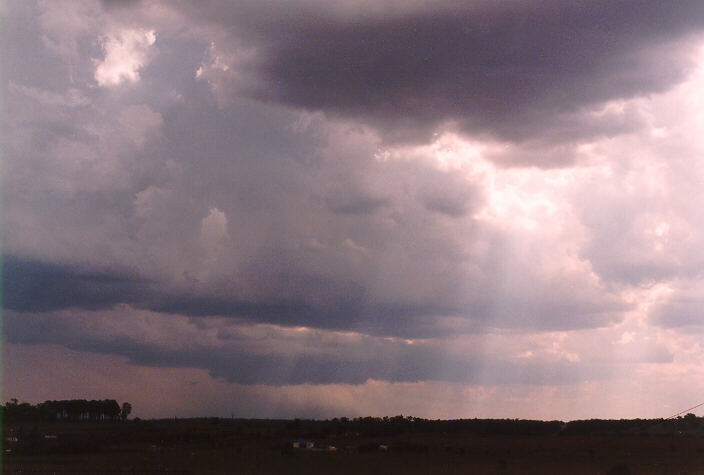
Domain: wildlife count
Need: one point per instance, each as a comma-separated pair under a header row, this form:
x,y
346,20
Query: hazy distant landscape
x,y
34,443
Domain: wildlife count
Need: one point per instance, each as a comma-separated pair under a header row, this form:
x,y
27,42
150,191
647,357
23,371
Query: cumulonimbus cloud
x,y
511,69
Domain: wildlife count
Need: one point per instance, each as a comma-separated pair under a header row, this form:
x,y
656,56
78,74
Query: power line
x,y
686,410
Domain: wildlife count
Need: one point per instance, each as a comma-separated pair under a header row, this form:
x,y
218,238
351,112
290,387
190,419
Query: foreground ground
x,y
261,447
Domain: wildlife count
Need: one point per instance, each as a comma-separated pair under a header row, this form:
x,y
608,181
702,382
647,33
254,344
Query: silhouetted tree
x,y
111,409
126,410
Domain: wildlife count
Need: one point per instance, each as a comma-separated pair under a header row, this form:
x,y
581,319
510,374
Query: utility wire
x,y
686,410
656,422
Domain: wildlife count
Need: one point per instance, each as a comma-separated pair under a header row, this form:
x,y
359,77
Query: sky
x,y
316,208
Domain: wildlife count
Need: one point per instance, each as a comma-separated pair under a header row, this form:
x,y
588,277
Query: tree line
x,y
388,426
66,410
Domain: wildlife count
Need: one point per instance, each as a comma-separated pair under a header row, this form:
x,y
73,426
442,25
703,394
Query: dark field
x,y
395,445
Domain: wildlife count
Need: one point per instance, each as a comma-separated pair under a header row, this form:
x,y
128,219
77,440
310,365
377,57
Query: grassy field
x,y
218,447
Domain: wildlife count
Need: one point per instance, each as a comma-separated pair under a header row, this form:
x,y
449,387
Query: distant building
x,y
302,444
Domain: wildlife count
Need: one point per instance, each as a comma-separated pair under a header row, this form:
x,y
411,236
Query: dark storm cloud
x,y
410,366
354,312
349,363
508,68
35,286
401,319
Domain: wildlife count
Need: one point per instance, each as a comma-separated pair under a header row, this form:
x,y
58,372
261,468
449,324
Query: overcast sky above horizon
x,y
315,208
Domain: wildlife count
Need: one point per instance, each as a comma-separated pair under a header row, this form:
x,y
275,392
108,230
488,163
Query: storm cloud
x,y
509,69
335,197
264,354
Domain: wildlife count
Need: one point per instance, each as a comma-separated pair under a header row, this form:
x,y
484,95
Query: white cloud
x,y
126,52
213,227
